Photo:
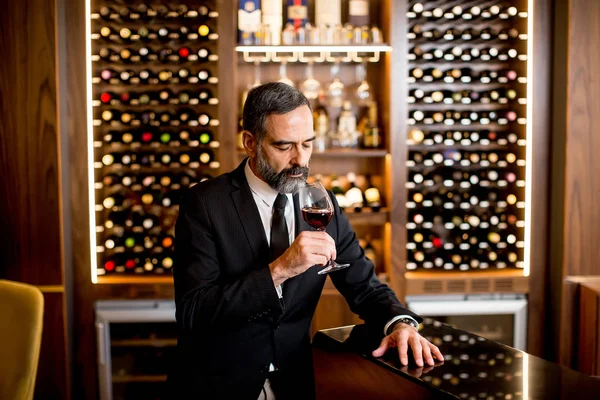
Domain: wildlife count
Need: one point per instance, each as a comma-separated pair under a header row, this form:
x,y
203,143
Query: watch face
x,y
409,322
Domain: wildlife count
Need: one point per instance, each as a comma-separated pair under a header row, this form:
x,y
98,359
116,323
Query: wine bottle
x,y
249,20
205,137
347,122
327,13
170,198
297,13
272,16
372,197
358,12
205,157
338,192
354,195
321,123
416,10
371,135
203,75
105,12
370,252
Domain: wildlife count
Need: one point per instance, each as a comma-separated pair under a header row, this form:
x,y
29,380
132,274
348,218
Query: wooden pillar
x,y
575,214
30,175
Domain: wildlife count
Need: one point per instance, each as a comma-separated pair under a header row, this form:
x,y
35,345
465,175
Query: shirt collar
x,y
261,188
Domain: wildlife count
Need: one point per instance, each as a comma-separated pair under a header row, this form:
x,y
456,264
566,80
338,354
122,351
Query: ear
x,y
250,143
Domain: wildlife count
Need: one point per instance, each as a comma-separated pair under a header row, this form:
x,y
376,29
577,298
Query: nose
x,y
300,156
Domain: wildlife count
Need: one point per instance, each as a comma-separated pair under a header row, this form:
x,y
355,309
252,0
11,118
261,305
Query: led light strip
x,y
529,138
90,142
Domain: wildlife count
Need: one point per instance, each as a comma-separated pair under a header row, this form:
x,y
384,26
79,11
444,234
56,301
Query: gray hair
x,y
267,99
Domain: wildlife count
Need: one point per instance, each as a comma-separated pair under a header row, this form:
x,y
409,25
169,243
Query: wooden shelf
x,y
458,282
351,153
315,53
334,48
341,153
163,147
458,146
474,106
368,217
461,274
144,343
138,378
136,279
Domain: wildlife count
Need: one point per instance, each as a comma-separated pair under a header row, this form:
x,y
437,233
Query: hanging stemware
x,y
257,80
364,92
310,87
335,89
283,74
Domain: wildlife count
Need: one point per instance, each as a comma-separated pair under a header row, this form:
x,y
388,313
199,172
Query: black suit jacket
x,y
231,320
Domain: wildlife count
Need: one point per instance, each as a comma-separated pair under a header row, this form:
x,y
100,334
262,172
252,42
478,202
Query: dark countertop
x,y
474,368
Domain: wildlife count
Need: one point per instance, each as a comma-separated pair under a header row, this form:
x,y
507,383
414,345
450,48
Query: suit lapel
x,y
291,285
248,214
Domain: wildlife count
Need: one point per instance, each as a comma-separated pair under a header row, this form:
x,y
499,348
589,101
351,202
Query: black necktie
x,y
279,231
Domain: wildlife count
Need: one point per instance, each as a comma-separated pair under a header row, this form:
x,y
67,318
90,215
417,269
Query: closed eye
x,y
308,143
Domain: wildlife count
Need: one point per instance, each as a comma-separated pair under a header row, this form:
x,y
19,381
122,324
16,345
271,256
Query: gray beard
x,y
281,182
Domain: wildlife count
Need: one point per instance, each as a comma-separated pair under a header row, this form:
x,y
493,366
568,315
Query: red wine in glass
x,y
318,218
317,211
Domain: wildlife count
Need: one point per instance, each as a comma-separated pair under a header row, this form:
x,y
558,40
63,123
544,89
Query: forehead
x,y
294,126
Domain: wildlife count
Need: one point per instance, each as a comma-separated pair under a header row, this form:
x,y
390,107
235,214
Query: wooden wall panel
x,y
576,184
52,379
332,312
84,335
228,96
554,320
30,175
540,159
582,182
30,208
580,331
587,351
394,119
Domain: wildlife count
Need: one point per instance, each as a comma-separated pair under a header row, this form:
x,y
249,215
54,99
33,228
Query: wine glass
x,y
335,89
317,211
363,91
257,80
283,74
310,87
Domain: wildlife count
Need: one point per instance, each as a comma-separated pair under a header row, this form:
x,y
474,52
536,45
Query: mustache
x,y
296,170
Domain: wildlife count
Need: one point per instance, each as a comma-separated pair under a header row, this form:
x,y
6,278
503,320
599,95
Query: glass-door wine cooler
x,y
136,342
498,317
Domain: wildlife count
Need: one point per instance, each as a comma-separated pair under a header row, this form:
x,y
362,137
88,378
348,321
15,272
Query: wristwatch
x,y
408,321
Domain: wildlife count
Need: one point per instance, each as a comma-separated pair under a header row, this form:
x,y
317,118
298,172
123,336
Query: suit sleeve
x,y
367,296
204,299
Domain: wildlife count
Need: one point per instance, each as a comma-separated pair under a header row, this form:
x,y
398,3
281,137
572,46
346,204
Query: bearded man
x,y
244,304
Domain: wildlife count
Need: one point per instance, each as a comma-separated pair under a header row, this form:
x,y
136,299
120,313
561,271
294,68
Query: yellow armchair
x,y
21,320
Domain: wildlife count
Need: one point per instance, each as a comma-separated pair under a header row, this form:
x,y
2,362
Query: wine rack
x,y
467,137
155,102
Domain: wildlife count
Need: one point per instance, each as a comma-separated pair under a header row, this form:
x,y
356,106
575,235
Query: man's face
x,y
282,157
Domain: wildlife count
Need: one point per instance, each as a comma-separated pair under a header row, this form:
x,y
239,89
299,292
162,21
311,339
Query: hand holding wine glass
x,y
310,248
317,211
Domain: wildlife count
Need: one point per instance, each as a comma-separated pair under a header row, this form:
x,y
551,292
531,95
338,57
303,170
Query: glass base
x,y
332,266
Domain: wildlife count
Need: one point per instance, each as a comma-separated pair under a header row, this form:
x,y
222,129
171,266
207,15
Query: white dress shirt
x,y
264,197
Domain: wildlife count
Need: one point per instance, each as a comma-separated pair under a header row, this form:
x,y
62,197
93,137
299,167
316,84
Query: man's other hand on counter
x,y
404,336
